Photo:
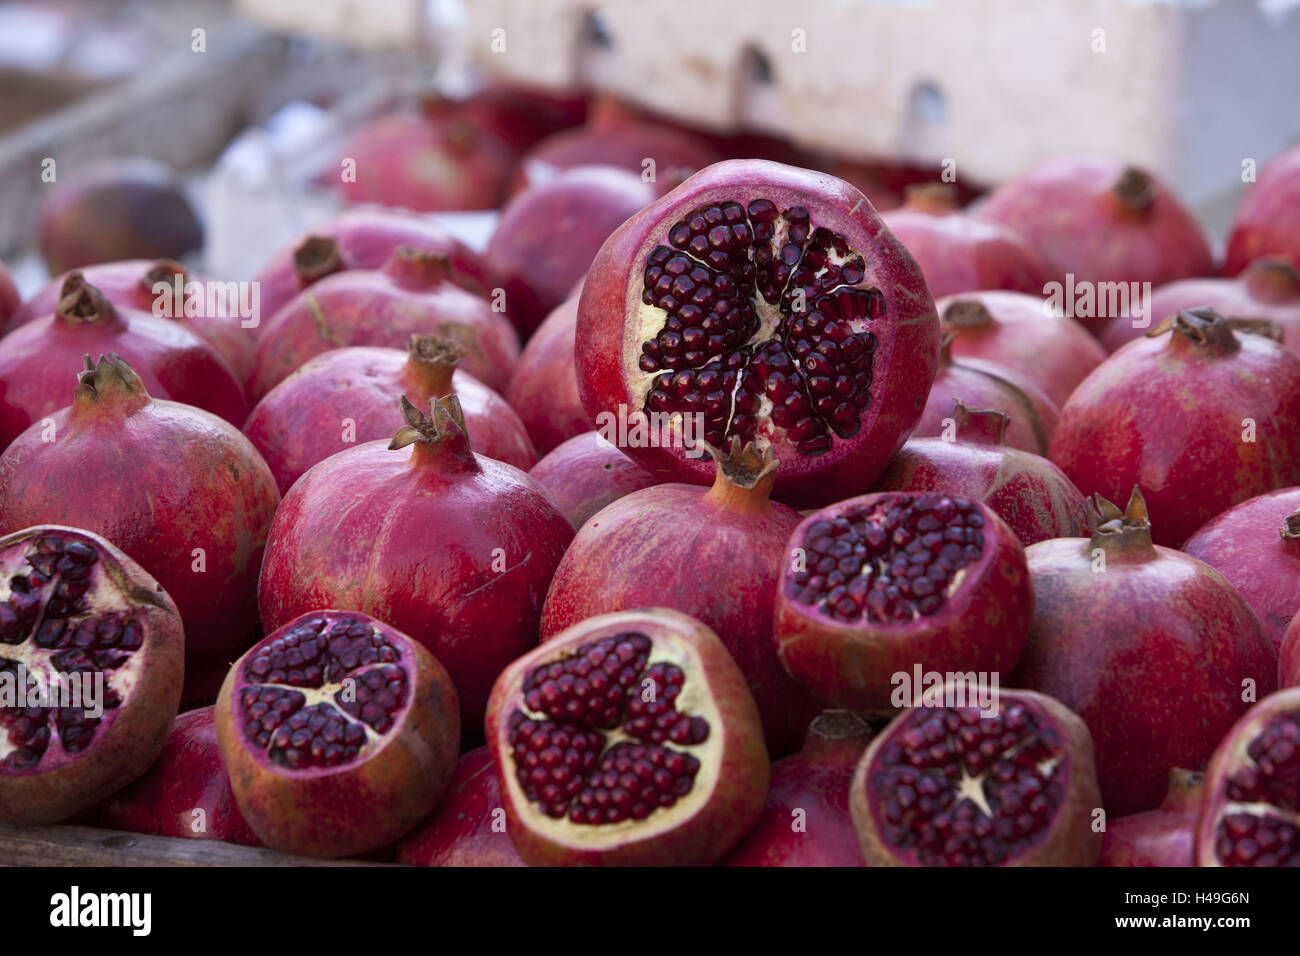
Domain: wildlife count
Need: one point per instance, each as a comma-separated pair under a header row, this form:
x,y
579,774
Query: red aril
x,y
1159,837
1268,220
544,387
587,473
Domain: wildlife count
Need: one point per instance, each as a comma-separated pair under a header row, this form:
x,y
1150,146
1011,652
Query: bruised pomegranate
x,y
411,295
339,732
1020,333
185,793
1159,837
765,303
453,548
91,662
346,396
629,739
806,819
179,490
587,473
1026,491
468,827
1268,219
1251,803
1153,649
1138,420
713,553
544,387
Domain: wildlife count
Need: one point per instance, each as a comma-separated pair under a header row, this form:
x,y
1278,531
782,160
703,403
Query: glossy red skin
x,y
981,384
165,481
1053,352
548,235
674,546
609,341
366,239
1268,219
460,830
1245,545
385,308
623,145
187,776
1288,658
544,387
300,421
373,530
1066,212
1152,654
1160,837
586,473
10,301
1165,414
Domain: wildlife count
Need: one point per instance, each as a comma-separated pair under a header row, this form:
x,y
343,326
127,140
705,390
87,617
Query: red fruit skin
x,y
587,473
468,827
188,776
544,387
1137,420
1160,837
10,300
518,117
1015,331
548,235
610,342
1288,658
410,295
623,145
981,384
1268,219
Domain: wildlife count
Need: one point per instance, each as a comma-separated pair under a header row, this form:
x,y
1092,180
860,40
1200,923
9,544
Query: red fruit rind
x,y
1160,837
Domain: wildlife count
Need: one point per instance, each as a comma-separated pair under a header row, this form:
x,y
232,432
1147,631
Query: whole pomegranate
x,y
1250,802
882,585
411,295
1159,837
1268,219
720,567
766,303
544,387
548,235
1153,649
587,473
1135,421
468,827
520,117
79,611
339,733
1019,332
38,362
185,793
960,253
1025,490
178,489
453,548
629,739
345,396
806,819
949,784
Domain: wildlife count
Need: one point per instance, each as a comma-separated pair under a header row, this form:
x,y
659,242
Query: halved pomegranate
x,y
629,739
769,304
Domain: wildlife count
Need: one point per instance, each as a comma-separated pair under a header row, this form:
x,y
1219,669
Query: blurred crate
x,y
369,24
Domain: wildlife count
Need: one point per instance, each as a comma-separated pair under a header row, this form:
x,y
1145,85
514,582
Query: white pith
x,y
1254,809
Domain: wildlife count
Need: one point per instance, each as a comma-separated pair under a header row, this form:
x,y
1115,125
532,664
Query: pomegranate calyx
x,y
431,362
1290,530
1135,190
112,377
1201,327
1115,531
163,270
80,303
980,426
936,199
439,436
966,314
1185,788
745,474
417,270
315,258
836,738
1272,280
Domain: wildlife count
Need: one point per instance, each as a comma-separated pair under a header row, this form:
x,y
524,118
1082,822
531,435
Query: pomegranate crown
x,y
747,466
1135,189
1290,529
1206,327
1111,527
965,314
435,350
112,372
986,426
79,302
447,420
316,257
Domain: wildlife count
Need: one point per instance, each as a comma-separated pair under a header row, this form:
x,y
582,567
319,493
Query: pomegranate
x,y
178,489
1256,546
1026,491
950,785
1268,219
880,585
721,568
92,651
346,396
468,828
1135,421
339,733
186,793
958,252
806,820
519,117
1018,332
1159,837
587,473
1251,802
453,548
629,739
412,294
1288,657
10,300
548,235
1098,221
544,387
693,312
39,360
1153,649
